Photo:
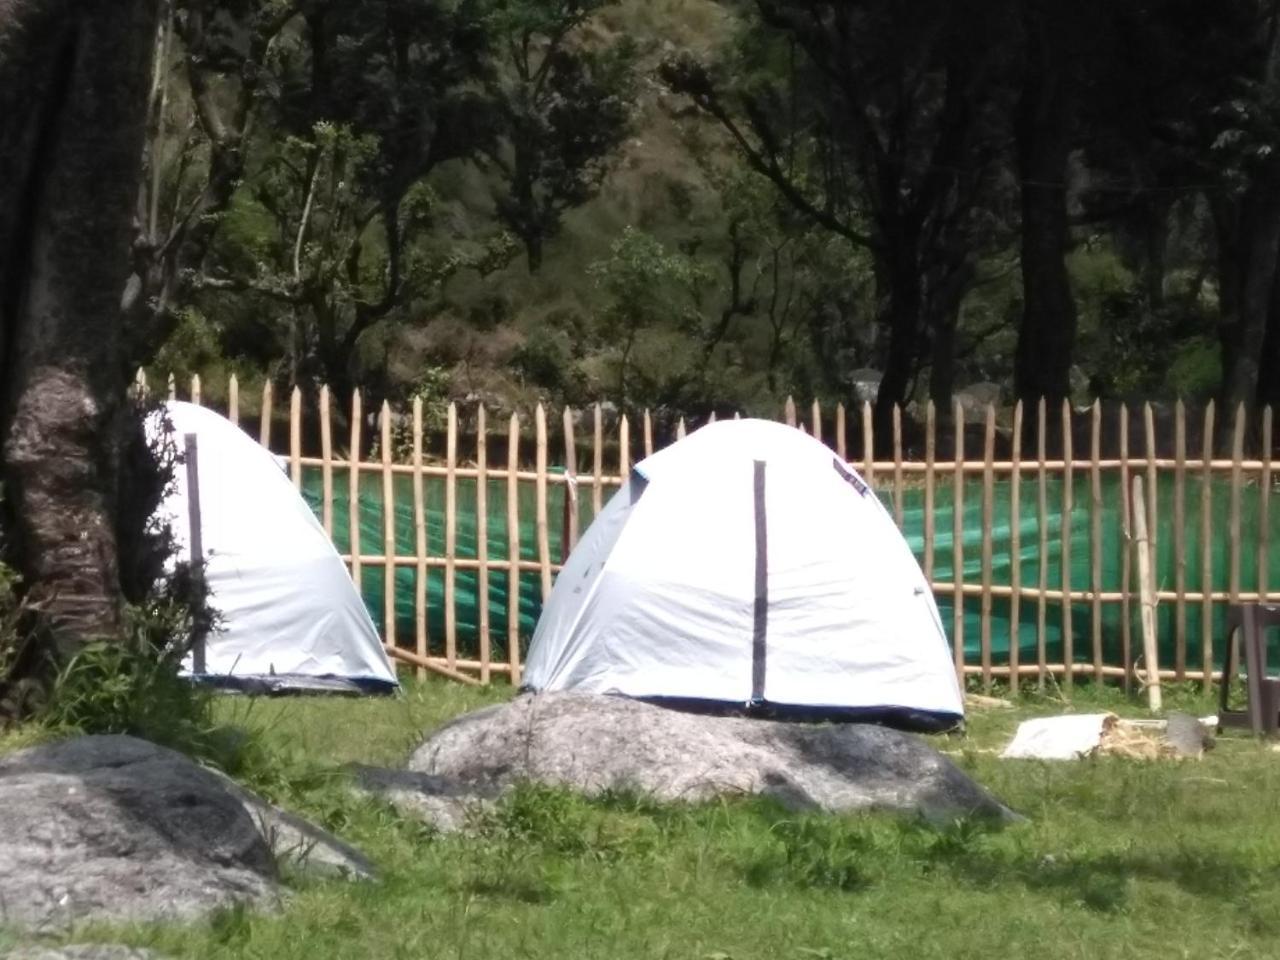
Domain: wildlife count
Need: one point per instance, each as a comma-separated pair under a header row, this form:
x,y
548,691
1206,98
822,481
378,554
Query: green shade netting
x,y
1080,551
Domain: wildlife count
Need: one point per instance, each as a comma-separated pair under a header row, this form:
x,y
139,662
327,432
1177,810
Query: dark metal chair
x,y
1247,624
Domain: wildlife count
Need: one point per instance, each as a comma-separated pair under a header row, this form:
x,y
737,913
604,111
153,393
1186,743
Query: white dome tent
x,y
746,567
290,617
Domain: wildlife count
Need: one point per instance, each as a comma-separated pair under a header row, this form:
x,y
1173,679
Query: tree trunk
x,y
73,92
1257,246
1042,362
902,314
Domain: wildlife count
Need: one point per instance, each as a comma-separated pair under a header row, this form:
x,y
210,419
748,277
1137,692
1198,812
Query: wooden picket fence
x,y
1191,475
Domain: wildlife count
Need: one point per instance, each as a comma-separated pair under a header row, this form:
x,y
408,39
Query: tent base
x,y
285,684
900,718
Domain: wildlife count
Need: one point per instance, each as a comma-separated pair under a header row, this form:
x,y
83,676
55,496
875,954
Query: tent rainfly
x,y
290,618
746,568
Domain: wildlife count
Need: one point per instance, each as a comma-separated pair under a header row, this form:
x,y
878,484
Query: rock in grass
x,y
595,743
440,802
81,951
116,828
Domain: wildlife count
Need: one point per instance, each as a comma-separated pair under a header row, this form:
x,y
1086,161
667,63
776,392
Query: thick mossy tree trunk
x,y
73,87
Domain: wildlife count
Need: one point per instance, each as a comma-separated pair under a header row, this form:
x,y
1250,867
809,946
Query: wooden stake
x,y
140,384
173,388
930,452
1206,547
817,421
513,539
1146,586
1126,552
957,543
1180,539
195,389
648,433
1152,488
425,663
988,521
264,427
868,446
544,544
897,465
1015,550
597,481
680,429
1068,506
388,531
295,438
1095,536
789,412
482,531
1043,528
1264,509
451,538
233,400
569,535
420,544
1233,529
326,458
624,448
353,490
840,433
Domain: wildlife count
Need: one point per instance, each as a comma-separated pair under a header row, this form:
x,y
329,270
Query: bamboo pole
x,y
326,456
1264,508
1095,535
451,537
1015,551
624,448
930,445
840,433
1233,529
789,411
1206,547
1152,489
353,490
957,545
1043,528
868,446
420,544
388,531
1068,505
988,520
482,532
195,389
1126,552
264,425
430,663
648,433
513,539
570,532
597,459
233,400
897,465
295,437
817,420
544,542
1146,586
1180,539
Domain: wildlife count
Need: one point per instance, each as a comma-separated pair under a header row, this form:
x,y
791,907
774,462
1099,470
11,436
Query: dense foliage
x,y
714,204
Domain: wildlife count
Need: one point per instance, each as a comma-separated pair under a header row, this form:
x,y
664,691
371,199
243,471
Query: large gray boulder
x,y
116,828
595,743
81,951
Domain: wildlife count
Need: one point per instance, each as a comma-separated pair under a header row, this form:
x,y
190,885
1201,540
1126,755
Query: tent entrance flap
x,y
760,621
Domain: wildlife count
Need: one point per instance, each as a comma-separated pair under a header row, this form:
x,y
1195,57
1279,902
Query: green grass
x,y
1118,859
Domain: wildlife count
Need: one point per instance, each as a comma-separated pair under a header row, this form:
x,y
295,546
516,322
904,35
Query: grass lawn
x,y
1119,858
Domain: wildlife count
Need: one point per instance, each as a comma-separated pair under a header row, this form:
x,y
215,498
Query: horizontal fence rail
x,y
1019,521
